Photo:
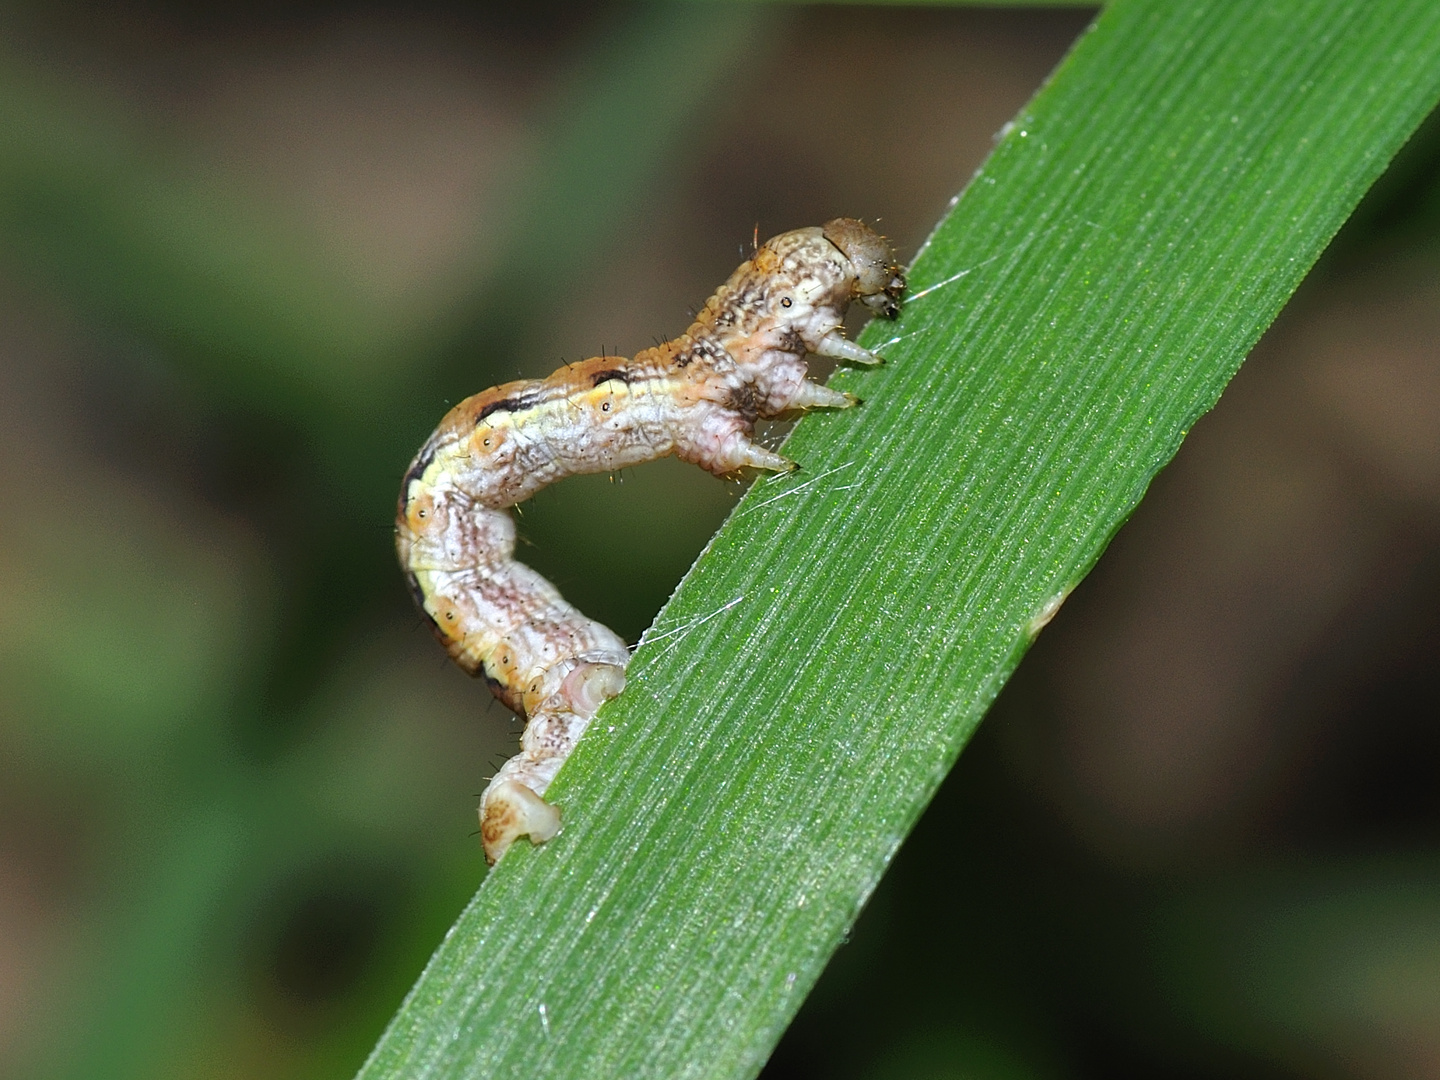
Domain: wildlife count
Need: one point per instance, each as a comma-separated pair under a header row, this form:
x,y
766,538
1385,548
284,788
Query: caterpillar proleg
x,y
697,397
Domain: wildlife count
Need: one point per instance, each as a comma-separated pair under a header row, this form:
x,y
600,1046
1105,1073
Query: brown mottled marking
x,y
697,397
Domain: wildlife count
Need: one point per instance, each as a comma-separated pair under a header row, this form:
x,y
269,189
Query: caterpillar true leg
x,y
837,347
699,396
813,395
752,456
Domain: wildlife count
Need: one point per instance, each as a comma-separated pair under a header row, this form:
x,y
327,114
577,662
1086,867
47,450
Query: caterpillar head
x,y
879,280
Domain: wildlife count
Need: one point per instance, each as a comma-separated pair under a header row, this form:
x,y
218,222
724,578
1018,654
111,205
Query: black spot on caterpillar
x,y
617,374
697,397
514,404
743,400
416,471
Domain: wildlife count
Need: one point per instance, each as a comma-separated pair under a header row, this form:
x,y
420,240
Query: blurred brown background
x,y
248,255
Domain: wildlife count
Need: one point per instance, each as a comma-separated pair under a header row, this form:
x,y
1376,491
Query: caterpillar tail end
x,y
511,810
513,805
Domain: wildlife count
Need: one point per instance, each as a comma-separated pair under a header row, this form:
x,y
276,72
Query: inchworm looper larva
x,y
696,397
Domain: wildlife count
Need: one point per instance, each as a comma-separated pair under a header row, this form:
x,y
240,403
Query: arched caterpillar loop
x,y
697,397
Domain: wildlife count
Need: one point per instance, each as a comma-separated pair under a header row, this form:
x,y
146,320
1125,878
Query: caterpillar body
x,y
697,397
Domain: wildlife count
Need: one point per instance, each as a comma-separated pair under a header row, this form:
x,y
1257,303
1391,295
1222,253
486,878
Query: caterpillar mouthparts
x,y
697,397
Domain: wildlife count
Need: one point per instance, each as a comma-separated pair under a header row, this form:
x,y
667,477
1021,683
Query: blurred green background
x,y
249,255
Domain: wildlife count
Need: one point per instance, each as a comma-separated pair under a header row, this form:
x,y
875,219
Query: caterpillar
x,y
697,397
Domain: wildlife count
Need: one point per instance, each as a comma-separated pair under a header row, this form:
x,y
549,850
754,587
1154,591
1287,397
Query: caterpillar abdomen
x,y
698,397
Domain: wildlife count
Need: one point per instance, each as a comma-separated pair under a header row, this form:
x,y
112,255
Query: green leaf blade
x,y
817,673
